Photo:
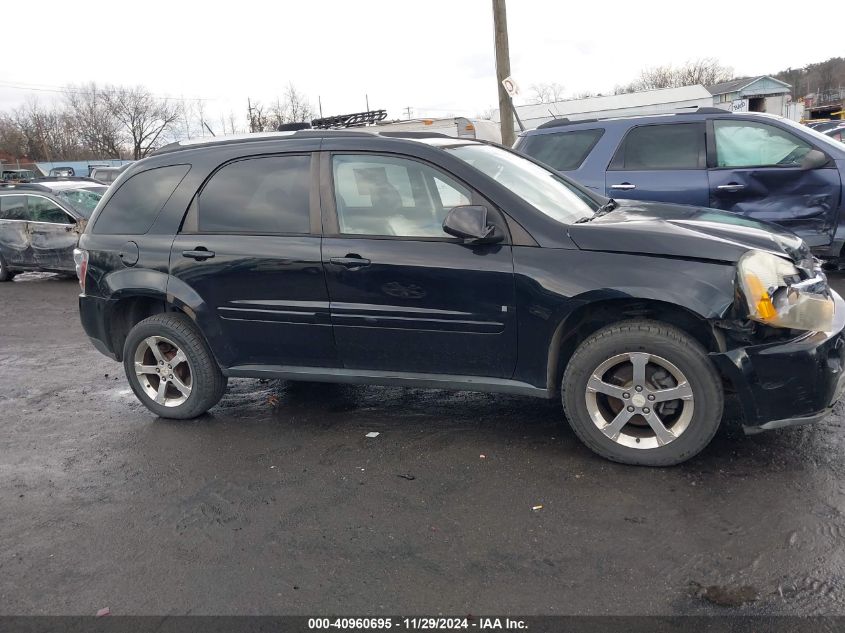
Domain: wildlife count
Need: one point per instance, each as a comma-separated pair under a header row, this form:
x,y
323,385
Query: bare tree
x,y
486,114
546,93
146,121
259,121
294,108
705,71
95,124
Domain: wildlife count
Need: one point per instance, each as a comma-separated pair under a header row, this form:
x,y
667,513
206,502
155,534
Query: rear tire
x,y
171,368
5,273
644,393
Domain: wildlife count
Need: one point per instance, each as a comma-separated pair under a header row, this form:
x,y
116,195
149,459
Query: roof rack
x,y
355,119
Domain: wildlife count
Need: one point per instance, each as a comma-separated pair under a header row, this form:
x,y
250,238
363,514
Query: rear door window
x,y
267,195
13,208
43,210
667,146
564,151
133,208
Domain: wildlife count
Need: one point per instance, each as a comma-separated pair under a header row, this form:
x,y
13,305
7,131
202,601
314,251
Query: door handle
x,y
625,186
350,261
199,253
731,187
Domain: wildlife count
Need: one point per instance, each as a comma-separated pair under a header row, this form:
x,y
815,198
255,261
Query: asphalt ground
x,y
277,503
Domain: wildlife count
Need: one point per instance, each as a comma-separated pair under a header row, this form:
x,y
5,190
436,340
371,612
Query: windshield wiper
x,y
604,209
607,207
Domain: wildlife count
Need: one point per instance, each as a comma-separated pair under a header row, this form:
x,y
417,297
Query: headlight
x,y
777,295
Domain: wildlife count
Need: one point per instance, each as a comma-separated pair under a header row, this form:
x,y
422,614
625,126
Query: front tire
x,y
644,393
171,368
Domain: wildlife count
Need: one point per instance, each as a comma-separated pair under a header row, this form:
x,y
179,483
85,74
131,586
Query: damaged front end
x,y
785,349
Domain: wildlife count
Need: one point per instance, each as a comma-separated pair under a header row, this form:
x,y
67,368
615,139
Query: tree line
x,y
821,78
92,121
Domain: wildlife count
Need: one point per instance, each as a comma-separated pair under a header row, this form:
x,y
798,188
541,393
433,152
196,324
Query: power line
x,y
70,90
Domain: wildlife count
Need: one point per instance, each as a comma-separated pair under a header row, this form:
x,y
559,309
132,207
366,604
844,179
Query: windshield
x,y
82,200
541,188
818,136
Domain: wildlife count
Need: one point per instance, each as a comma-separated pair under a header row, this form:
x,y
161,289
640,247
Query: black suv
x,y
427,261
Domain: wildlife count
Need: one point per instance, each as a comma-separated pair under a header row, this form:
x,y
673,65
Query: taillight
x,y
80,258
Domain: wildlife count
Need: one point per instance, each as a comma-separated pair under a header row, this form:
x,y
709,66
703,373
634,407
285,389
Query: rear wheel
x,y
170,367
642,392
5,273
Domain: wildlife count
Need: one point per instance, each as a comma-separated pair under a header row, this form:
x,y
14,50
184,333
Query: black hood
x,y
681,231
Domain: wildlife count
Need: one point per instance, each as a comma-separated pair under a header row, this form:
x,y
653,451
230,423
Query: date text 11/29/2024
x,y
417,623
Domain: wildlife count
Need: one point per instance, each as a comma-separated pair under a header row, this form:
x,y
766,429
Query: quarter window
x,y
752,144
391,196
669,146
258,195
133,208
564,151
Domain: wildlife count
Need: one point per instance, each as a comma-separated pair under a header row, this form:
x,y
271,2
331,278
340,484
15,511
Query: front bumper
x,y
786,384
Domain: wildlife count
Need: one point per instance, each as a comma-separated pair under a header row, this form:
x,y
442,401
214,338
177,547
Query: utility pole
x,y
503,70
249,107
408,110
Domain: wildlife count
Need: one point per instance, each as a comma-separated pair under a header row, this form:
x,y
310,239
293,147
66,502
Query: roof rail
x,y
65,178
563,121
702,110
215,141
418,135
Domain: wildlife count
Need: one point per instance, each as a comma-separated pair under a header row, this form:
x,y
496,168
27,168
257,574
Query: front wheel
x,y
644,393
170,367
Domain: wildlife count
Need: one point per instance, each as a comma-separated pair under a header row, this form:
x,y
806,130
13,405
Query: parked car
x,y
16,175
836,133
756,165
40,224
440,262
62,172
107,175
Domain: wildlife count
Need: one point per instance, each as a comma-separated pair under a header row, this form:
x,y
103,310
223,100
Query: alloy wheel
x,y
640,400
163,371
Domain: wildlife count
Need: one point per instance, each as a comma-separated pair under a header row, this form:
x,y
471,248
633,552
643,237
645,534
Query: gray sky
x,y
434,56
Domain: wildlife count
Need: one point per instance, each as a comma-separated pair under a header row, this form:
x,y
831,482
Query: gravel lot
x,y
276,502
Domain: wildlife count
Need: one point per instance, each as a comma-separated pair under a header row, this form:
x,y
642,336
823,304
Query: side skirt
x,y
390,378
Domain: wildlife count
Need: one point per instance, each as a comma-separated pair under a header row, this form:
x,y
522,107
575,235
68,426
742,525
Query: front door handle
x,y
624,186
350,261
731,187
199,253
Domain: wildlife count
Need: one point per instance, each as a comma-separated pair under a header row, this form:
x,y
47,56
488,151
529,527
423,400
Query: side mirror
x,y
813,159
469,222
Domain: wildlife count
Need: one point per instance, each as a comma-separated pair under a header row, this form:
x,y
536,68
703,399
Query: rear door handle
x,y
625,186
731,187
350,261
199,253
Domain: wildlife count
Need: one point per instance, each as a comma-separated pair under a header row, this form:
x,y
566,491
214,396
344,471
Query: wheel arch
x,y
134,302
591,316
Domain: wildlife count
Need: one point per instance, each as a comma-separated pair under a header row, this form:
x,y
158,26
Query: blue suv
x,y
757,165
